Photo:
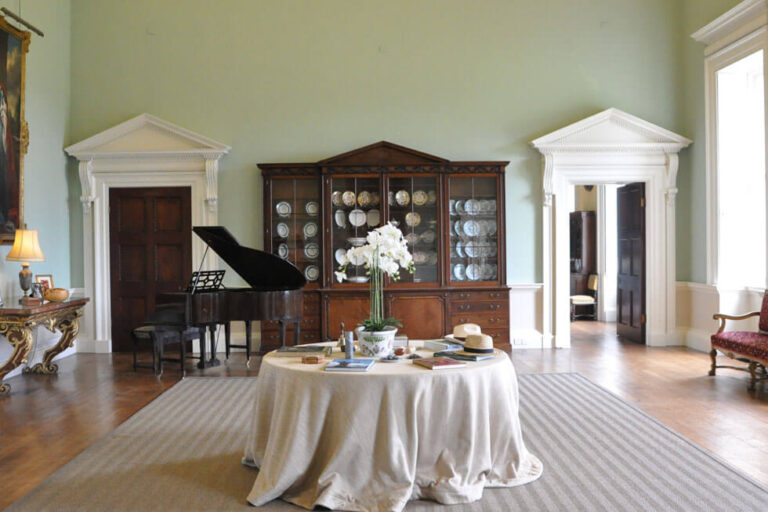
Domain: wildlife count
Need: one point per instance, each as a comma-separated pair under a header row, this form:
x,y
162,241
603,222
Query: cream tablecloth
x,y
372,441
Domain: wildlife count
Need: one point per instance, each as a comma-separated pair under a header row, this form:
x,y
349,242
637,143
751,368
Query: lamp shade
x,y
25,247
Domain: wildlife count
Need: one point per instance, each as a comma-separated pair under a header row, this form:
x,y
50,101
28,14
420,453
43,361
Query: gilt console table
x,y
17,324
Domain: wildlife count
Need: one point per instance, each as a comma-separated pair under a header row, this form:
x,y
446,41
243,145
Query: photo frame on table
x,y
44,279
14,45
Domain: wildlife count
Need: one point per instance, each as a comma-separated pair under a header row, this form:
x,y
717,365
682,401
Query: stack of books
x,y
463,356
304,350
438,363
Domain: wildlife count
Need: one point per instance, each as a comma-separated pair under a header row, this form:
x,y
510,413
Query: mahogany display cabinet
x,y
451,213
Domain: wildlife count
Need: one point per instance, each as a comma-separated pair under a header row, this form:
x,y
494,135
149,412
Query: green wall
x,y
289,80
46,192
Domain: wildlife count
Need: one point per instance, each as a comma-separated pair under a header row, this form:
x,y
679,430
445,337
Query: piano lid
x,y
261,270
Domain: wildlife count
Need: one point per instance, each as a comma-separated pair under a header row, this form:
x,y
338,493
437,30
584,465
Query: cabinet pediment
x,y
382,154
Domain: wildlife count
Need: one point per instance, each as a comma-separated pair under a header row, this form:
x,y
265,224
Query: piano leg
x,y
227,334
282,332
213,361
296,329
248,343
202,330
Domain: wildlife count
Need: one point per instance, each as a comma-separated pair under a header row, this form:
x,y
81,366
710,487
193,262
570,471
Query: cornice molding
x,y
733,25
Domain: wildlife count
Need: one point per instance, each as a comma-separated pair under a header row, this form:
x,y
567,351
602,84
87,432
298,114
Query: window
x,y
741,176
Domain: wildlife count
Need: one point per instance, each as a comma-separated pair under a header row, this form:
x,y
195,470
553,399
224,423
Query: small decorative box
x,y
312,359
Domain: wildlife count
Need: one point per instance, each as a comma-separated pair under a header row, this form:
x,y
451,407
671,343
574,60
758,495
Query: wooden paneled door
x,y
630,298
150,252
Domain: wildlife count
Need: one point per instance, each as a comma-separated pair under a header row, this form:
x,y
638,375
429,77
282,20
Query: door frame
x,y
142,152
610,147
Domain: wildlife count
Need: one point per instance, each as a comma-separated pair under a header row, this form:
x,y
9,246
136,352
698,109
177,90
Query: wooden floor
x,y
48,420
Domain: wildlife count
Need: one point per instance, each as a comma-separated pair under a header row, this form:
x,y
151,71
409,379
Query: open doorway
x,y
607,259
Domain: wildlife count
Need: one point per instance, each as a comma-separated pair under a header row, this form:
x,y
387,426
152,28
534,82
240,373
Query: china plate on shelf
x,y
364,198
282,251
310,230
460,207
473,272
312,208
312,273
460,249
431,197
348,198
340,218
339,255
412,238
283,209
413,219
282,230
311,250
402,197
471,207
452,207
458,227
432,258
374,217
357,217
336,198
471,249
375,199
428,236
459,271
356,241
471,228
420,198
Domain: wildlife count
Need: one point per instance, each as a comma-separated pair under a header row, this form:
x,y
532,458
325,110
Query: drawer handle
x,y
464,307
463,295
493,320
494,306
495,295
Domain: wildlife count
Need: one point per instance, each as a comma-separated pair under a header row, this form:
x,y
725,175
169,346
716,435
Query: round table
x,y
373,441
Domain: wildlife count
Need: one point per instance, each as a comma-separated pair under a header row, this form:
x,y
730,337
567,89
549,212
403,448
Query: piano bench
x,y
159,336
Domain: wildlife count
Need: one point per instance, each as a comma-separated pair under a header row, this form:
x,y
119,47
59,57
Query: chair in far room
x,y
588,301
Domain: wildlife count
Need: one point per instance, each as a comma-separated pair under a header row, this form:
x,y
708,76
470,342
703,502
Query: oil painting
x,y
14,135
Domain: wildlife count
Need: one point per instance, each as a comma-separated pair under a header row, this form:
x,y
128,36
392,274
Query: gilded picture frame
x,y
14,133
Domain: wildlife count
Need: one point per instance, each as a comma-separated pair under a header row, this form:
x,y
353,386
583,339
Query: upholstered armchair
x,y
746,346
588,300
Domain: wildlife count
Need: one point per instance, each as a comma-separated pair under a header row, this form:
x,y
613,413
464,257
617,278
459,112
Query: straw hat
x,y
477,344
461,331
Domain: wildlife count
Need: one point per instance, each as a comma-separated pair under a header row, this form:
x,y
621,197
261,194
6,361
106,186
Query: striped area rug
x,y
182,452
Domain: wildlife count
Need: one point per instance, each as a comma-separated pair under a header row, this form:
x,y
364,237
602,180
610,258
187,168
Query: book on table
x,y
464,357
304,350
349,365
438,363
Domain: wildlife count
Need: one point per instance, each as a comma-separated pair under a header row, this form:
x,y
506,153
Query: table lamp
x,y
25,248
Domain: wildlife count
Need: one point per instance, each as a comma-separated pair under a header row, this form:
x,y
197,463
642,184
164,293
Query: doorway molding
x,y
610,147
142,152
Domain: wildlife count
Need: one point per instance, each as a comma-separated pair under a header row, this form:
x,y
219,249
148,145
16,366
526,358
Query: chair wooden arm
x,y
723,317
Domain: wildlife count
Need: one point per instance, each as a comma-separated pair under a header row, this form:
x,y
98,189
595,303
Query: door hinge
x,y
642,202
642,318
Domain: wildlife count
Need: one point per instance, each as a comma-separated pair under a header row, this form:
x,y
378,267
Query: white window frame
x,y
736,34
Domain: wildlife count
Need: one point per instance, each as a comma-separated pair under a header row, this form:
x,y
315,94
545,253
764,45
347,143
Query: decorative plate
x,y
471,249
357,217
473,272
459,272
419,257
460,207
364,198
339,254
310,230
482,227
412,238
356,241
336,198
391,198
282,230
413,219
375,199
374,217
487,271
431,197
452,207
460,249
311,250
420,198
428,236
312,273
432,259
348,198
282,251
402,197
283,209
491,227
312,208
458,227
471,206
340,218
471,228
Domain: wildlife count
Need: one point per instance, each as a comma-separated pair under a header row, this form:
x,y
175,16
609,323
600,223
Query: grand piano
x,y
274,294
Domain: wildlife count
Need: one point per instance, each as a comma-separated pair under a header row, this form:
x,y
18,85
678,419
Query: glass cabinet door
x,y
472,209
355,210
296,234
413,208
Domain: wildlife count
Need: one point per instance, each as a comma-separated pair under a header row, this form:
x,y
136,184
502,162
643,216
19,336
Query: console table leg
x,y
20,338
69,326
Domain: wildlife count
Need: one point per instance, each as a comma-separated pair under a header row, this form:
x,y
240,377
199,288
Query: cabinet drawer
x,y
499,307
475,296
500,336
307,322
484,320
270,338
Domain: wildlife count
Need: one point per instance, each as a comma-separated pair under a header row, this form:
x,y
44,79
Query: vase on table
x,y
376,343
